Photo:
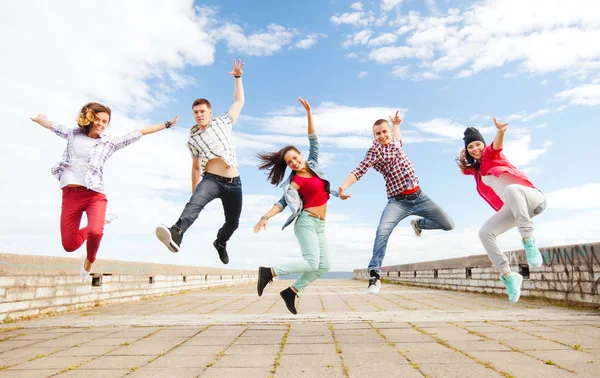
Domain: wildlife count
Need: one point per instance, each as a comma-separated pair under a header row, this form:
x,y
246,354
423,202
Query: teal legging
x,y
310,232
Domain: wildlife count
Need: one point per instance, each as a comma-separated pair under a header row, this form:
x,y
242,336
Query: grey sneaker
x,y
416,229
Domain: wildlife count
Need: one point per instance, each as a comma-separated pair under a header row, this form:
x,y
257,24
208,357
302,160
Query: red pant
x,y
74,202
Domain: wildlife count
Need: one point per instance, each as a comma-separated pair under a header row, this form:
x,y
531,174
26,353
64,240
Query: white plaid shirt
x,y
391,161
214,142
98,155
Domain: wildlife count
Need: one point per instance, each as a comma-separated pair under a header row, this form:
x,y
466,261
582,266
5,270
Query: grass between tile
x,y
413,364
281,346
338,349
443,342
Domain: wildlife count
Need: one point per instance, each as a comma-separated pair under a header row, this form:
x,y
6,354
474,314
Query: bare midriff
x,y
218,167
321,211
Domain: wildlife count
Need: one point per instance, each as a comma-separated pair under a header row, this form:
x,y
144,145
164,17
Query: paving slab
x,y
339,331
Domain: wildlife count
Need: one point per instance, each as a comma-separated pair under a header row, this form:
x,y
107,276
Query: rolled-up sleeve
x,y
370,158
127,139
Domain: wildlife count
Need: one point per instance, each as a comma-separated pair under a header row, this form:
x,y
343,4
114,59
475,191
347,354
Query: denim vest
x,y
291,197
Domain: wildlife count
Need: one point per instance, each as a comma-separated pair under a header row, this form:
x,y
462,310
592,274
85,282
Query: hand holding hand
x,y
343,196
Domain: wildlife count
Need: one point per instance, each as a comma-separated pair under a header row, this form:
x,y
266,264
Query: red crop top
x,y
312,190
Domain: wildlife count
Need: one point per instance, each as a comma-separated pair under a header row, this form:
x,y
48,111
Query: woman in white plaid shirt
x,y
80,175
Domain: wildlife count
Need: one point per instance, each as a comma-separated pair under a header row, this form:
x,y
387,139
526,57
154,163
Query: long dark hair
x,y
469,160
274,163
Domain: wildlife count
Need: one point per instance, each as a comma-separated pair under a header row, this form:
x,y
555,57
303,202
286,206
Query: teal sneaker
x,y
534,257
513,286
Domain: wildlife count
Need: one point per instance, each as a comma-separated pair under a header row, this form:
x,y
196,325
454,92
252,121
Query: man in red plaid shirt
x,y
405,198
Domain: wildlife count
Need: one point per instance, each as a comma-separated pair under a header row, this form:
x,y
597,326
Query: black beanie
x,y
472,135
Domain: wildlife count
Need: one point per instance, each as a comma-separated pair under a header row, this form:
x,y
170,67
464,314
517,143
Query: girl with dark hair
x,y
509,191
80,175
306,192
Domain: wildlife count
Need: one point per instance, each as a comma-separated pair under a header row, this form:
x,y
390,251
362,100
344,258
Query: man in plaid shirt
x,y
214,170
405,198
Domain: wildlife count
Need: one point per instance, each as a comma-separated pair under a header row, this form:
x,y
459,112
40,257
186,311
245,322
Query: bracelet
x,y
237,77
264,217
167,124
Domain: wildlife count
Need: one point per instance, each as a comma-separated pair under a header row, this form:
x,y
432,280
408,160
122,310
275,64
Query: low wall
x,y
36,285
570,272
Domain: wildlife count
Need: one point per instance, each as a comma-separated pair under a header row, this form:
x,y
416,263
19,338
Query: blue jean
x,y
212,187
433,218
313,244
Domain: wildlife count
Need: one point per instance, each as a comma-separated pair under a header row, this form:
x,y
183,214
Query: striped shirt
x,y
214,142
107,145
391,161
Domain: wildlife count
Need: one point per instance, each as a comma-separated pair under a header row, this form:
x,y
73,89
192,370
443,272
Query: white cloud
x,y
358,38
432,6
523,116
388,5
544,82
587,94
354,18
442,127
584,197
362,74
309,41
383,39
401,71
357,6
260,43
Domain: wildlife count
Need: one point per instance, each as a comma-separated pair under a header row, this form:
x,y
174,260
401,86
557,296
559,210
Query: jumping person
x,y
306,192
405,198
214,160
508,191
81,176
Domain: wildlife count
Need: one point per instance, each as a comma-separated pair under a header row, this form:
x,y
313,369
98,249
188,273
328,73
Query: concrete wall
x,y
569,272
36,285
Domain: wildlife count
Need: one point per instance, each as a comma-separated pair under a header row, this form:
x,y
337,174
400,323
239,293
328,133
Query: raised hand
x,y
305,104
237,68
40,118
500,126
262,223
343,196
396,120
174,120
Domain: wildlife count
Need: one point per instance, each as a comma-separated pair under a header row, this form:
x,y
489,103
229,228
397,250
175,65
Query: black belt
x,y
408,197
221,178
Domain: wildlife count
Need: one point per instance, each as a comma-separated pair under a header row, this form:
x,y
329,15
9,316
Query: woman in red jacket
x,y
509,191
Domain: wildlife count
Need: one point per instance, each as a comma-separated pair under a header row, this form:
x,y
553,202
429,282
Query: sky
x,y
445,65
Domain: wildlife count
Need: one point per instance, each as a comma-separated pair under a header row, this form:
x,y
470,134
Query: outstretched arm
x,y
159,126
396,121
311,124
499,138
262,223
42,120
350,180
238,94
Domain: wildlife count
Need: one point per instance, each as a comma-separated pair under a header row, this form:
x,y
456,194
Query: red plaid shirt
x,y
391,161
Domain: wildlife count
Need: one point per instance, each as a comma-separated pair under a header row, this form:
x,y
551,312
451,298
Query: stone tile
x,y
147,372
116,362
168,361
107,373
236,372
388,357
93,351
312,349
246,360
50,362
318,360
464,370
251,349
27,373
404,371
198,350
310,371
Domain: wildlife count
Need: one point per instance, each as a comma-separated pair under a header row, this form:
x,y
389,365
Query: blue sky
x,y
444,65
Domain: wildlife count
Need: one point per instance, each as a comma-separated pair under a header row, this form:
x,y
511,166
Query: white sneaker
x,y
109,218
417,230
374,286
84,274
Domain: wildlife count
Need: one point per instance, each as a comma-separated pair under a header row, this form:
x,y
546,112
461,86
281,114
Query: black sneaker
x,y
289,297
265,277
222,252
170,236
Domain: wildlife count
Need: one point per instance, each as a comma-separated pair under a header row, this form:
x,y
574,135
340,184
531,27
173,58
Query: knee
x,y
485,233
512,191
233,224
69,246
448,225
95,234
325,266
313,265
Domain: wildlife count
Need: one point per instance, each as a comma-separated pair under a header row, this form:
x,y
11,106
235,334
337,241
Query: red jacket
x,y
493,162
